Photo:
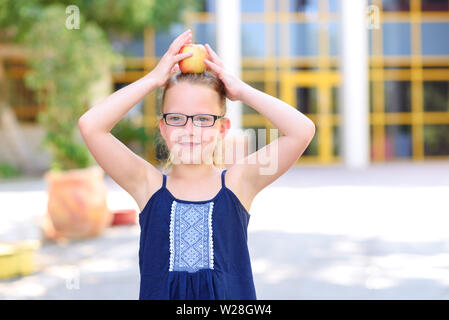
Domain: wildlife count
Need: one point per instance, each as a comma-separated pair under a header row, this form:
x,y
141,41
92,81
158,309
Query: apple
x,y
194,63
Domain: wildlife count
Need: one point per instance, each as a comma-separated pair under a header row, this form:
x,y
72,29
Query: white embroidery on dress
x,y
211,245
172,219
191,246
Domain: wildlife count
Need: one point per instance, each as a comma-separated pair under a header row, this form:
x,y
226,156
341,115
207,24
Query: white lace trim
x,y
172,232
211,246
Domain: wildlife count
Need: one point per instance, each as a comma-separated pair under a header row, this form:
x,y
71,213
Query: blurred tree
x,y
130,16
65,63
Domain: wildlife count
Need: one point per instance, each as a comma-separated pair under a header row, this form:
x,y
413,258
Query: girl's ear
x,y
225,126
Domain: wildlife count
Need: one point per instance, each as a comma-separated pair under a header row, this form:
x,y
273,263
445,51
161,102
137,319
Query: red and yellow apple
x,y
194,63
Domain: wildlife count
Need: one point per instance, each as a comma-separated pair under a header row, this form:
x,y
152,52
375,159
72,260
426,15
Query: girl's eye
x,y
203,119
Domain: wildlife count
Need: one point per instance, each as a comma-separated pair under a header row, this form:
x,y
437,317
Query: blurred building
x,y
291,50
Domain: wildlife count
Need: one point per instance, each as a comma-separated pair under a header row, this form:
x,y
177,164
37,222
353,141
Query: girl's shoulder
x,y
233,181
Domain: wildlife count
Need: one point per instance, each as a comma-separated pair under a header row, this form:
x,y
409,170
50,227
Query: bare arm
x,y
134,174
264,166
261,168
117,160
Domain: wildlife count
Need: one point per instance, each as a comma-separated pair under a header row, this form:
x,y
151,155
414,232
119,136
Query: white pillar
x,y
354,96
229,49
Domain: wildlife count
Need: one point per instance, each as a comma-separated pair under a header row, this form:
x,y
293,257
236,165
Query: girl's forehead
x,y
191,99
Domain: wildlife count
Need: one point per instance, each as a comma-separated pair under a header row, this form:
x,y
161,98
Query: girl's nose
x,y
189,125
191,129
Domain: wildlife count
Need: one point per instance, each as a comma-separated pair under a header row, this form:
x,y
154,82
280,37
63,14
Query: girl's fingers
x,y
182,56
215,58
175,69
213,67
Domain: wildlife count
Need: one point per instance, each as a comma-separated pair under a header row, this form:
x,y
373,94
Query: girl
x,y
194,218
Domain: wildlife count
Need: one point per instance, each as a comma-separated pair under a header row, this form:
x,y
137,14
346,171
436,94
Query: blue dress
x,y
195,249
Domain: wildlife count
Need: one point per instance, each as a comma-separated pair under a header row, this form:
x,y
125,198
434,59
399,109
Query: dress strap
x,y
223,178
164,180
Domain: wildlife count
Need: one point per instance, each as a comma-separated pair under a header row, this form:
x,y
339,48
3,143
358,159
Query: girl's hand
x,y
234,85
168,65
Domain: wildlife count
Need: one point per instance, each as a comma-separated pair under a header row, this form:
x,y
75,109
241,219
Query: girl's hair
x,y
162,152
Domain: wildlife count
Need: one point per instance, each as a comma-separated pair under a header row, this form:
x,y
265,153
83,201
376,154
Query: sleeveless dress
x,y
195,249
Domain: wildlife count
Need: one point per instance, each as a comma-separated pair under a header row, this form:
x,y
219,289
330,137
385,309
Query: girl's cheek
x,y
210,135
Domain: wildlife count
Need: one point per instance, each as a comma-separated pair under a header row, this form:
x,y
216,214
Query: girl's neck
x,y
192,171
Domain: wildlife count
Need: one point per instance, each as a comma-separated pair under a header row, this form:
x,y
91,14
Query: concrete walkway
x,y
315,233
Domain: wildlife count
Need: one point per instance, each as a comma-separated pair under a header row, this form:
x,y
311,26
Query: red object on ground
x,y
124,216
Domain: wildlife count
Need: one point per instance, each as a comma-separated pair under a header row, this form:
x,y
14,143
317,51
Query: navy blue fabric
x,y
231,276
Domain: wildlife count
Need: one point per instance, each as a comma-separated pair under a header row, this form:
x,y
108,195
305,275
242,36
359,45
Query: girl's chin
x,y
191,159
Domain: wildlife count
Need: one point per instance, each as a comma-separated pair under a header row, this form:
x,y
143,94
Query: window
x,y
336,141
164,39
436,97
207,6
205,33
306,100
435,38
334,5
396,5
396,39
304,39
398,141
397,96
252,6
434,5
253,39
335,100
129,46
303,5
436,142
334,43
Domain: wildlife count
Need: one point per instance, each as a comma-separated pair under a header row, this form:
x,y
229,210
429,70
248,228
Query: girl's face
x,y
191,99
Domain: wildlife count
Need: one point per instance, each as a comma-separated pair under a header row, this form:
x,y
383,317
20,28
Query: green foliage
x,y
63,68
65,63
130,16
127,131
8,171
133,16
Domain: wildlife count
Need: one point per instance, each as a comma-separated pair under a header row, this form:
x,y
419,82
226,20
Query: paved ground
x,y
316,233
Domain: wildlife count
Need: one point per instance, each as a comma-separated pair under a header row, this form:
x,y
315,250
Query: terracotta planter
x,y
77,206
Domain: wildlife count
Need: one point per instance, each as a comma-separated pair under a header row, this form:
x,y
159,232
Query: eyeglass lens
x,y
201,120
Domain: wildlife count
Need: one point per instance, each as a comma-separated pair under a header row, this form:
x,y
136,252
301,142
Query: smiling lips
x,y
189,144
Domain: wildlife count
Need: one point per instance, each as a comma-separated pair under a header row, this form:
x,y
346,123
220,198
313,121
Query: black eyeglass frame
x,y
164,115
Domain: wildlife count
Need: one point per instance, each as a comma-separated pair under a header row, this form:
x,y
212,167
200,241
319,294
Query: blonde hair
x,y
163,154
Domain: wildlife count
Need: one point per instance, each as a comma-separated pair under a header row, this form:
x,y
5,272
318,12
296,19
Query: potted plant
x,y
65,64
64,68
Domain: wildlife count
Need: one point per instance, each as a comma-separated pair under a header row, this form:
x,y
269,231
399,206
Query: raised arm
x,y
134,174
264,166
261,168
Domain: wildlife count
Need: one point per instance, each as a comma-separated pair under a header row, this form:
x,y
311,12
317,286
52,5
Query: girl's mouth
x,y
189,144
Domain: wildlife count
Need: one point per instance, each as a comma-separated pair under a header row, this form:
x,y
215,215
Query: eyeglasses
x,y
199,120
